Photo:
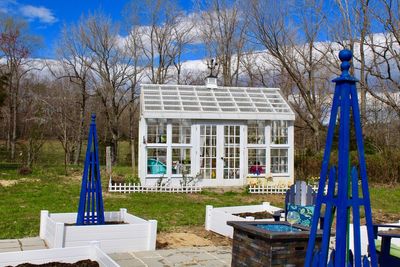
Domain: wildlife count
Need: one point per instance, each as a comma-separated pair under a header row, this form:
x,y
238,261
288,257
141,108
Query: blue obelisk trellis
x,y
342,196
91,209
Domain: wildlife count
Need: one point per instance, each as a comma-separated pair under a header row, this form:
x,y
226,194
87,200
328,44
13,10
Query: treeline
x,y
99,64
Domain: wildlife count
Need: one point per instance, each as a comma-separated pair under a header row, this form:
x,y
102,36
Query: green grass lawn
x,y
48,188
23,196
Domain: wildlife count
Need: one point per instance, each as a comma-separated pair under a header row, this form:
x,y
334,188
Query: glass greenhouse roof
x,y
202,102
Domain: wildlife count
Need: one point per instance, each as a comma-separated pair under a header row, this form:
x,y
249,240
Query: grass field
x,y
23,196
47,188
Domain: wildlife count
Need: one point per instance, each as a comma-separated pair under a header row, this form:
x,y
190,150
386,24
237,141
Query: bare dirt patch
x,y
7,183
381,217
193,236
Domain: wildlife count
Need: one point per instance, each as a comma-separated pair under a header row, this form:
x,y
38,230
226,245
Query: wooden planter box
x,y
253,246
134,234
217,218
67,255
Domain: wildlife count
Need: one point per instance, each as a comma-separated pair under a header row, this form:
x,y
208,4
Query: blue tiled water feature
x,y
278,228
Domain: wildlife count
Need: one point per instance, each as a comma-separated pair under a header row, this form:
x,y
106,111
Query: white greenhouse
x,y
214,136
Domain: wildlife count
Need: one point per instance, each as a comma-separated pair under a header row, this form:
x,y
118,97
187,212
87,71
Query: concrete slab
x,y
166,252
218,249
189,256
9,243
215,263
201,256
121,256
8,240
32,241
178,258
219,255
157,262
131,263
147,254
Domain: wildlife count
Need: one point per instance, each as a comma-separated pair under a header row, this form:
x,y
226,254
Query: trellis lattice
x,y
91,208
342,196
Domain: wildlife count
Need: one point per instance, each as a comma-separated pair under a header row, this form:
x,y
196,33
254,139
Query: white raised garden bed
x,y
67,255
216,218
134,234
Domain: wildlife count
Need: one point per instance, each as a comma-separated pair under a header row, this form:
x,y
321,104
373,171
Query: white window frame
x,y
182,124
288,146
288,162
165,122
262,129
147,158
182,146
233,146
279,130
215,147
261,175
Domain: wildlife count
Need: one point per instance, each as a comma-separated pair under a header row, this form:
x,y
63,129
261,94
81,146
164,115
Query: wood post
x,y
108,161
133,157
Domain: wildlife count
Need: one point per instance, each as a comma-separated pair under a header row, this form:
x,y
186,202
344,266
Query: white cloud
x,y
29,12
40,13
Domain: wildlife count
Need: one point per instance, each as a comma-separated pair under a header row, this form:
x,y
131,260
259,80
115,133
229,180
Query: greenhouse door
x,y
220,155
231,155
208,151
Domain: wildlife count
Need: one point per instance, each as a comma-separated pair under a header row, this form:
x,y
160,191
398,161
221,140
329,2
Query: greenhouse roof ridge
x,y
201,102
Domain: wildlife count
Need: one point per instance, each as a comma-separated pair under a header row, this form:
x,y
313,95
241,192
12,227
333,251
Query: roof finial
x,y
211,64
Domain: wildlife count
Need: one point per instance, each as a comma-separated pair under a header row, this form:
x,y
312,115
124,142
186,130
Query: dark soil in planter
x,y
256,215
82,263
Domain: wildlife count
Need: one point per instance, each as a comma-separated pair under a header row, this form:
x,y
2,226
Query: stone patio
x,y
190,256
30,243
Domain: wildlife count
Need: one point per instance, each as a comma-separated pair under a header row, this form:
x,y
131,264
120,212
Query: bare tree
x,y
364,16
74,65
135,52
183,34
350,30
163,39
111,70
3,88
384,68
60,103
223,28
16,46
34,122
295,54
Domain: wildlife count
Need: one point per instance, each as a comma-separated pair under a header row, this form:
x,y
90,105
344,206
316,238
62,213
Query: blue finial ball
x,y
93,117
345,55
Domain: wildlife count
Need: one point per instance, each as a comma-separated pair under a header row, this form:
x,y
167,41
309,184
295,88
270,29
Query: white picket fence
x,y
274,189
137,188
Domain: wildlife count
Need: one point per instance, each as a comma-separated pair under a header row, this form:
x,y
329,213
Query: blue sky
x,y
46,17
